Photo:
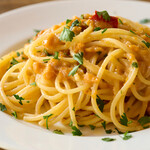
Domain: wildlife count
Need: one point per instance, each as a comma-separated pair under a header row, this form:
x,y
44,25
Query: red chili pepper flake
x,y
104,16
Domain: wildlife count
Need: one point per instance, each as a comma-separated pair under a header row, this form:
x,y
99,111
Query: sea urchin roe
x,y
38,67
90,78
51,42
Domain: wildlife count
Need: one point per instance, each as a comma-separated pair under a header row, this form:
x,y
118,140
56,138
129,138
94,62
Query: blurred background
x,y
6,5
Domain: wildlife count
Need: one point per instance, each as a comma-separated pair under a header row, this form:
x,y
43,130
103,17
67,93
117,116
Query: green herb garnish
x,y
82,16
46,60
92,127
75,23
104,126
124,120
104,14
96,29
73,108
58,131
71,123
135,64
14,114
147,44
100,103
73,71
79,58
76,131
46,53
19,98
132,31
36,31
46,117
18,54
14,61
34,83
29,40
67,21
104,30
108,139
2,107
144,120
66,35
120,21
147,35
119,132
56,55
126,136
145,21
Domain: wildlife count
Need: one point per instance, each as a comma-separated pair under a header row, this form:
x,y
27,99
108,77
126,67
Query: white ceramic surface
x,y
15,28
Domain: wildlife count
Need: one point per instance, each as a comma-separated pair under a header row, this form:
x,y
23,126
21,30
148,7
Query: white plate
x,y
15,28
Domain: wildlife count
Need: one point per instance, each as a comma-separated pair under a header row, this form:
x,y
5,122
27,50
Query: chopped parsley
x,y
29,40
2,107
66,35
75,23
46,60
58,131
79,58
104,126
144,120
147,44
73,71
36,31
145,21
56,55
14,114
104,30
108,139
126,136
67,21
71,123
147,35
19,98
92,127
104,14
96,29
132,31
135,64
73,108
124,120
14,61
100,103
46,53
34,83
120,21
46,117
119,132
28,101
76,131
18,54
80,125
97,115
82,16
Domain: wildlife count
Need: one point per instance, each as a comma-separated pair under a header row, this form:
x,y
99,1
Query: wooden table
x,y
6,5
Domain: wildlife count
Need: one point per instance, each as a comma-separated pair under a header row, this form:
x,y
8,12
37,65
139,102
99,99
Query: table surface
x,y
6,5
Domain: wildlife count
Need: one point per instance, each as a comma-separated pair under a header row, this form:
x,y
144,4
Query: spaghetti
x,y
87,70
